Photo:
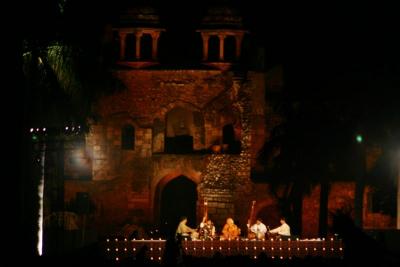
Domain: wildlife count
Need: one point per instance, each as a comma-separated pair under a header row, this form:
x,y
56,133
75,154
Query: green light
x,y
34,137
359,138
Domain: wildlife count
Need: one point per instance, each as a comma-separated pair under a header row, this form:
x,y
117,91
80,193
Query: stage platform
x,y
117,249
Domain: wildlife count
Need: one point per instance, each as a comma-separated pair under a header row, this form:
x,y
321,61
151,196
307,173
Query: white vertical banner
x,y
40,198
398,188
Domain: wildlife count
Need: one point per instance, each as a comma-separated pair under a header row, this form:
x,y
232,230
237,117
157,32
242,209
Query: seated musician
x,y
259,229
282,231
207,229
183,230
230,230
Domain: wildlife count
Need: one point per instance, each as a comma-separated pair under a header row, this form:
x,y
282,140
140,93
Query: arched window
x,y
228,138
179,131
213,48
145,47
230,49
128,137
228,134
130,47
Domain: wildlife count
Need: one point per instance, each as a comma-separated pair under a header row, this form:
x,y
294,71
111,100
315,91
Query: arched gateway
x,y
177,198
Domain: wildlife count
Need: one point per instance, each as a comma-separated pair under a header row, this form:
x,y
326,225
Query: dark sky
x,y
332,35
322,42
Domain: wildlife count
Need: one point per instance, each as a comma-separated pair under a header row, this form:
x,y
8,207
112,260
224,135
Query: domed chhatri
x,y
222,33
222,17
144,16
138,32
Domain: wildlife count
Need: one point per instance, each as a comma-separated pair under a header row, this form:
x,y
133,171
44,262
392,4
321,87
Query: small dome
x,y
139,17
222,17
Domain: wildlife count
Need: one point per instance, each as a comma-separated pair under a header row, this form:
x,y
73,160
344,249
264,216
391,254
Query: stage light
x,y
125,249
116,249
44,129
31,130
108,249
108,240
117,259
359,138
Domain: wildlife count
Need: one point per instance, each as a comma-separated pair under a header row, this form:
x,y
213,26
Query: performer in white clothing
x,y
283,230
259,229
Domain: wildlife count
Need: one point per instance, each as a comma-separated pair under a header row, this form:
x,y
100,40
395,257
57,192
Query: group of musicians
x,y
230,231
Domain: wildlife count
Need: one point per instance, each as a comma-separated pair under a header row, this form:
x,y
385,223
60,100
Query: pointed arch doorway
x,y
178,198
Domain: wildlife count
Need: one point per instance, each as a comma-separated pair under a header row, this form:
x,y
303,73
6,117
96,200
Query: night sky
x,y
328,39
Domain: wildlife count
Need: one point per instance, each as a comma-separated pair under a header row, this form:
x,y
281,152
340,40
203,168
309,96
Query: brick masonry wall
x,y
124,182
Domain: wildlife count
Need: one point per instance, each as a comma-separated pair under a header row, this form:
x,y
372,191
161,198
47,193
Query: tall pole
x,y
398,188
360,184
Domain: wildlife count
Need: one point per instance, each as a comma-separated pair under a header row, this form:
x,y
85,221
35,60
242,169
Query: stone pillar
x,y
138,38
205,38
239,39
221,47
122,44
154,37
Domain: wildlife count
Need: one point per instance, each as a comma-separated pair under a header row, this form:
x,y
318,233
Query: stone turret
x,y
222,34
137,33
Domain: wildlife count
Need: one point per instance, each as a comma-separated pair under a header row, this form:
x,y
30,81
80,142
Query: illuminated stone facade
x,y
170,123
